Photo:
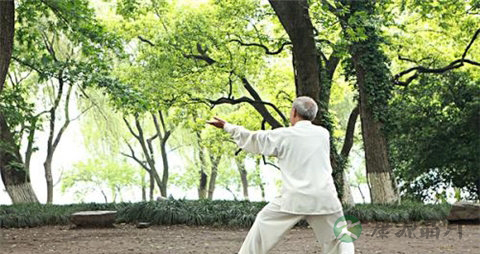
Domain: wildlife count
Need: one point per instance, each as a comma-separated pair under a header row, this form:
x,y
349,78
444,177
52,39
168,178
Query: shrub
x,y
201,213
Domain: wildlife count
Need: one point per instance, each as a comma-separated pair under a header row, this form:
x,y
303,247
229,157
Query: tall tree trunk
x,y
215,160
7,30
312,78
14,175
243,176
295,18
374,87
375,146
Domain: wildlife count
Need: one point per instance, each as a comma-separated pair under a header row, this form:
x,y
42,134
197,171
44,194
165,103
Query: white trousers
x,y
271,225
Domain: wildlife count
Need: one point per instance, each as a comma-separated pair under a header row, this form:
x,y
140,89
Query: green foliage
x,y
101,173
433,134
405,212
202,213
106,169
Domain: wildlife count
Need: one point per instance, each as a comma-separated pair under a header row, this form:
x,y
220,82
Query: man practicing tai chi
x,y
303,153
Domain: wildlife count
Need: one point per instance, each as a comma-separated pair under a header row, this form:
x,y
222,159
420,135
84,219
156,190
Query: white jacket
x,y
303,153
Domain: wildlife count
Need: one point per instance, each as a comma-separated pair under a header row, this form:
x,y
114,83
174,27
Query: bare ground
x,y
184,239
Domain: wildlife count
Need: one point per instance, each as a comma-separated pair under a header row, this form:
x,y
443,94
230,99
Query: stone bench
x,y
97,219
465,212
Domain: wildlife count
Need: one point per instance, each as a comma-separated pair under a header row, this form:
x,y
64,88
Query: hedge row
x,y
200,213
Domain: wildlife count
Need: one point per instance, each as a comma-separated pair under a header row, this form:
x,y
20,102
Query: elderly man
x,y
303,153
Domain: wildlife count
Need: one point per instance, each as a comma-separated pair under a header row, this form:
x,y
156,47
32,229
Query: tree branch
x,y
453,65
258,105
348,142
268,163
205,58
257,98
267,51
146,41
67,120
142,163
130,128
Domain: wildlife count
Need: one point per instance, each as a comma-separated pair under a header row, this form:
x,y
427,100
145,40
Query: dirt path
x,y
183,239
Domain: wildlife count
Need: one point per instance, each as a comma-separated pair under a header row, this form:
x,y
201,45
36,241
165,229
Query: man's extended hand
x,y
219,123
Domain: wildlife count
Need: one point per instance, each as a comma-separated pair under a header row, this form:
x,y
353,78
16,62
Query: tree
x,y
372,76
38,24
14,175
433,135
242,171
146,143
104,173
106,170
7,28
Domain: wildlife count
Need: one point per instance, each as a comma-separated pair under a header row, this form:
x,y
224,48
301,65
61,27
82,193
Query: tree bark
x,y
7,30
259,181
243,176
152,186
163,139
312,78
215,160
372,76
295,18
14,175
144,191
53,140
374,140
347,146
202,186
148,153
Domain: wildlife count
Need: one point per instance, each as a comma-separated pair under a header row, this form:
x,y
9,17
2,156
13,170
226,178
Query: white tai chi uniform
x,y
303,153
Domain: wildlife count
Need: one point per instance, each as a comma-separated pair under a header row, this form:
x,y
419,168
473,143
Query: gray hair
x,y
306,107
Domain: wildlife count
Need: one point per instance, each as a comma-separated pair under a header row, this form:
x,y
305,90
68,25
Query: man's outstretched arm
x,y
258,142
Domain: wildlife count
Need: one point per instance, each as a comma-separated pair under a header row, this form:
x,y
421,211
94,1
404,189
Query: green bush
x,y
201,213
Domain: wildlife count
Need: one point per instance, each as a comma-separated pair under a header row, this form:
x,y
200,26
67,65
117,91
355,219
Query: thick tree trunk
x,y
295,18
243,176
372,80
7,29
14,175
311,78
347,198
215,160
374,140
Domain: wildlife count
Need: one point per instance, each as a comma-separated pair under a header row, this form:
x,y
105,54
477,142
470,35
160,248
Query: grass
x,y
201,213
